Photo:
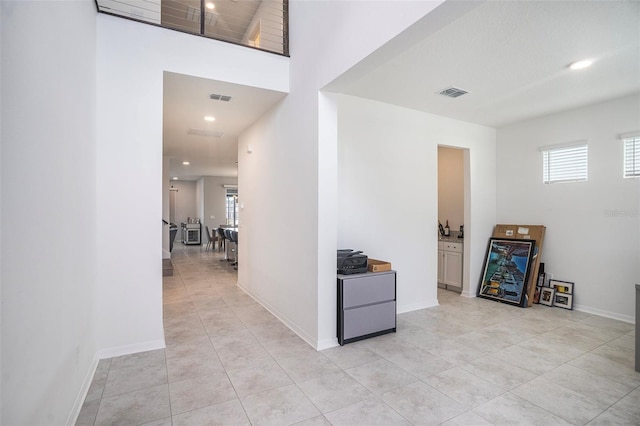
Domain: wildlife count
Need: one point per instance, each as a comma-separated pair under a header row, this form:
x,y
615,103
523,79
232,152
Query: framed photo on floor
x,y
505,275
563,300
565,287
546,296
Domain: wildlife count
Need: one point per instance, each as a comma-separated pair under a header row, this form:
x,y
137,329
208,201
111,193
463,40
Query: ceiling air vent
x,y
216,97
200,132
453,92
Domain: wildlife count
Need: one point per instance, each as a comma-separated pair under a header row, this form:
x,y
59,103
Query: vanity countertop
x,y
453,238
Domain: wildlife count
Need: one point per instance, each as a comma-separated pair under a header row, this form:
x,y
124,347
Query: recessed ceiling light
x,y
580,65
209,118
175,178
186,163
210,5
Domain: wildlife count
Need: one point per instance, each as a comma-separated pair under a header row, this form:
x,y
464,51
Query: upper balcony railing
x,y
260,24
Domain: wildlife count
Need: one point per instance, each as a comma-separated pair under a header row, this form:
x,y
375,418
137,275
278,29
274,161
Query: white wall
x,y
211,201
199,204
166,211
199,200
388,191
131,60
215,200
185,203
289,167
1,384
48,258
592,235
276,185
451,187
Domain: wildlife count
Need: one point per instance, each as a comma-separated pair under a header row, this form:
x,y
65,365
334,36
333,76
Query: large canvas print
x,y
506,270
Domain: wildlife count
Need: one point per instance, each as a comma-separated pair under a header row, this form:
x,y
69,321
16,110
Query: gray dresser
x,y
366,305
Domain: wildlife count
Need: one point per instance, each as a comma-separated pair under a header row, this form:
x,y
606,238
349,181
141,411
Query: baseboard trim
x,y
401,309
167,268
82,394
283,318
468,294
613,315
327,343
102,354
131,349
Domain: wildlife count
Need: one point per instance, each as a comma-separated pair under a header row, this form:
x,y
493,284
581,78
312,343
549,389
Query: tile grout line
x,y
218,356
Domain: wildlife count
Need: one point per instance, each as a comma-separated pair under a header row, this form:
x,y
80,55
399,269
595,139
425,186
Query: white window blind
x,y
564,163
232,206
632,157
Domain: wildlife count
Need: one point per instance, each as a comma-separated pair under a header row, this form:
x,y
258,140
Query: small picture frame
x,y
563,300
536,295
541,279
546,296
565,287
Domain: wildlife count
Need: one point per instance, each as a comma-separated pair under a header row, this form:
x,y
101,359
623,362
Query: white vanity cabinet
x,y
450,265
440,262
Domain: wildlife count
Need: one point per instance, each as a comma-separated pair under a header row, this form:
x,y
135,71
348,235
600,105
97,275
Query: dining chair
x,y
213,238
234,238
222,245
209,240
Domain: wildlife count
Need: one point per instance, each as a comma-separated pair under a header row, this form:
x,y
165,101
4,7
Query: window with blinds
x,y
564,163
632,157
232,206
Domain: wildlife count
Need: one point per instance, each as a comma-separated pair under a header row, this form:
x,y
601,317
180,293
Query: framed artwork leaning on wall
x,y
505,274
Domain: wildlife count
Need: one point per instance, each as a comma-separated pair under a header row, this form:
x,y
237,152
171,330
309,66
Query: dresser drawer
x,y
367,289
369,319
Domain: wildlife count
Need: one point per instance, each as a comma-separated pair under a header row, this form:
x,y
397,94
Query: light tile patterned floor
x,y
467,362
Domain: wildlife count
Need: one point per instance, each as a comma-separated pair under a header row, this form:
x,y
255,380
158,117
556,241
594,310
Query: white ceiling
x,y
187,102
512,57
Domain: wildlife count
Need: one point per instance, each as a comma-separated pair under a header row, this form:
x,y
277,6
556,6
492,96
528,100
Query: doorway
x,y
452,172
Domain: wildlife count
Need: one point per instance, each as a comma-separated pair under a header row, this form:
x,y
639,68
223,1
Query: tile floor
x,y
467,362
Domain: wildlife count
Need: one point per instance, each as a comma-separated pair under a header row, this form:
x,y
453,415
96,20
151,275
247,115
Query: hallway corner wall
x,y
48,223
